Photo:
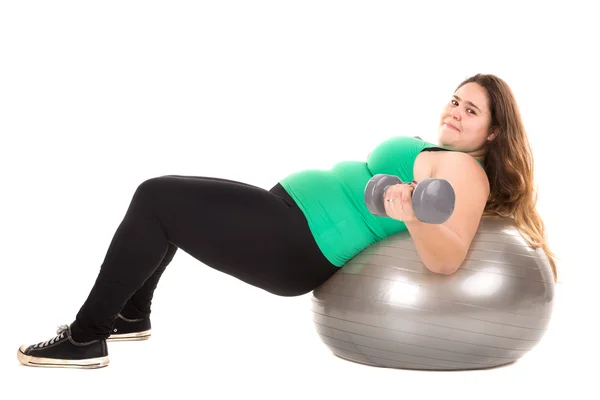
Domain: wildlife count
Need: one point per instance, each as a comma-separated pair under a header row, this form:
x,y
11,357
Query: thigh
x,y
211,178
242,230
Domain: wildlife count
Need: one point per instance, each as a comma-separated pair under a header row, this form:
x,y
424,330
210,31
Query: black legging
x,y
260,237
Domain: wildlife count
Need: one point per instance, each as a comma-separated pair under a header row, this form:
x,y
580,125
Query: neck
x,y
478,154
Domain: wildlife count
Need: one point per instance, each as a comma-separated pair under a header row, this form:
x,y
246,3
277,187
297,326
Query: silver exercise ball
x,y
385,308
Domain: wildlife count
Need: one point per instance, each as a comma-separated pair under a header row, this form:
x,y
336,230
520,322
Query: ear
x,y
492,136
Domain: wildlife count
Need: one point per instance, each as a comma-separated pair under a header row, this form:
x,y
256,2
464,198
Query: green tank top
x,y
333,200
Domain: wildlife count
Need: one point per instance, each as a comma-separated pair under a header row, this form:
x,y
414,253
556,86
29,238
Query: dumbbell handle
x,y
433,199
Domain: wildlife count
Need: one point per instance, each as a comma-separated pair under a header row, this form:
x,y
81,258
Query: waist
x,y
333,204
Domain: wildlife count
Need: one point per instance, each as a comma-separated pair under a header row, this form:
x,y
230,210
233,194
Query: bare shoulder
x,y
424,165
456,162
429,163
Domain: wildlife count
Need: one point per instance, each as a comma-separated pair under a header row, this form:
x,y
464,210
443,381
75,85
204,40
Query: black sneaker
x,y
130,329
63,352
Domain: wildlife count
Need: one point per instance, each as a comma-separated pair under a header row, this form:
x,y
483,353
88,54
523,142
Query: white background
x,y
96,97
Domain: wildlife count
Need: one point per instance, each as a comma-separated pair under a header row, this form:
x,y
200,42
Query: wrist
x,y
412,222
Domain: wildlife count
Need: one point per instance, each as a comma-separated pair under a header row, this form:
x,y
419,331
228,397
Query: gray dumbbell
x,y
433,199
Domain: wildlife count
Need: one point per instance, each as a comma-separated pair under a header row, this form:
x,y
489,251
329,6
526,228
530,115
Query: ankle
x,y
82,336
131,312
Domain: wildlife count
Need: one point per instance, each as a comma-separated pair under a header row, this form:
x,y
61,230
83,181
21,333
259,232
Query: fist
x,y
398,202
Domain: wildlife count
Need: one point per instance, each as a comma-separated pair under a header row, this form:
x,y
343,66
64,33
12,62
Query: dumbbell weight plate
x,y
374,192
433,201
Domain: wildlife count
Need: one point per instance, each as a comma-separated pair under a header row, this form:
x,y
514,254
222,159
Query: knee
x,y
151,188
153,185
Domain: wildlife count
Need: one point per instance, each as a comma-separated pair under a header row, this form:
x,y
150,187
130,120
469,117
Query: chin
x,y
448,139
443,141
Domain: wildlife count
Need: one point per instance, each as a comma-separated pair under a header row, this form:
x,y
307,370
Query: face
x,y
465,121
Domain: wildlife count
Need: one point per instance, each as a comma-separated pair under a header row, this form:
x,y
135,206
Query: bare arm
x,y
439,248
443,248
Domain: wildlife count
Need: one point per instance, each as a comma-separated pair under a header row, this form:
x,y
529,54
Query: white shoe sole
x,y
32,361
145,335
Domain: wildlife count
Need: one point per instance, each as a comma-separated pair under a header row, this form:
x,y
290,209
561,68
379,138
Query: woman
x,y
292,238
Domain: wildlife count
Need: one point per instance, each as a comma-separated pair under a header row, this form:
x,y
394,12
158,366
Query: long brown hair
x,y
509,166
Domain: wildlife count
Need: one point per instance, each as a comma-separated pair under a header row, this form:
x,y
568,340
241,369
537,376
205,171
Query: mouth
x,y
447,125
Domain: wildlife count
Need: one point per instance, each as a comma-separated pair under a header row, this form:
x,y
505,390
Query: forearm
x,y
439,248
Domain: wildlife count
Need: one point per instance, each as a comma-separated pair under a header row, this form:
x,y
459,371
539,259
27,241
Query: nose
x,y
454,113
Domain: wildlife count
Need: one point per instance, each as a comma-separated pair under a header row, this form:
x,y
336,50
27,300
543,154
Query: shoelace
x,y
62,330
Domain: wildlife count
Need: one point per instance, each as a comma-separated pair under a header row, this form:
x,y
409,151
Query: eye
x,y
454,102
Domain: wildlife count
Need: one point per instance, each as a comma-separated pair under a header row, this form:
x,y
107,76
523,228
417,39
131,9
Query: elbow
x,y
445,267
448,270
446,257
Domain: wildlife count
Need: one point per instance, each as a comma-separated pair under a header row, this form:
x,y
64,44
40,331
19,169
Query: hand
x,y
398,202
